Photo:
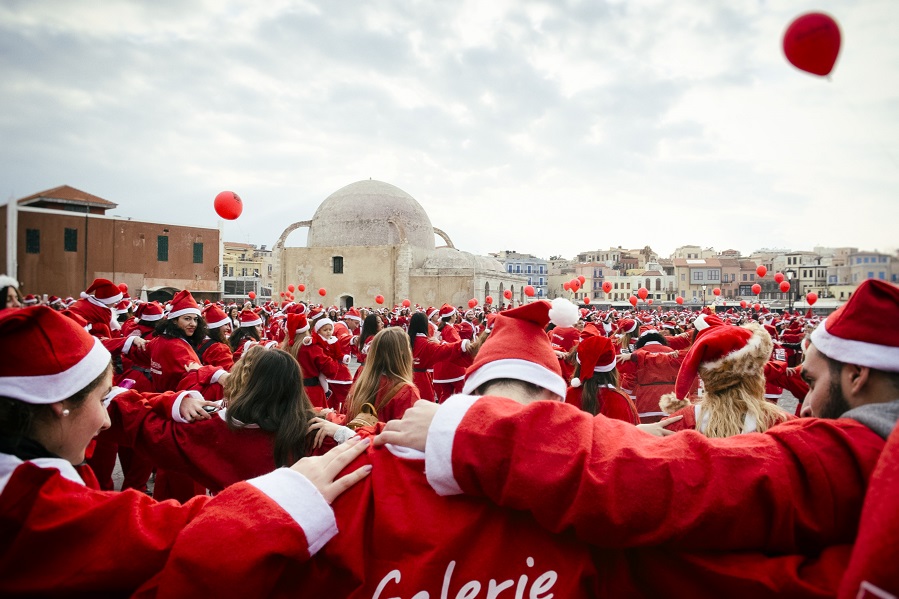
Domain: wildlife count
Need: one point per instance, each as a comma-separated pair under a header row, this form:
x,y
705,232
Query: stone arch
x,y
445,237
280,243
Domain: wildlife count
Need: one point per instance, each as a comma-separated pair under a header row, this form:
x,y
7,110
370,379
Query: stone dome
x,y
369,213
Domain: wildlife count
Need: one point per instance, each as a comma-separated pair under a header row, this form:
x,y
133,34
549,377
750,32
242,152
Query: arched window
x,y
486,289
658,284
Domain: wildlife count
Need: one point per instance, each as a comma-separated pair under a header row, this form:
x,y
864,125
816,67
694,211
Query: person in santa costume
x,y
345,333
96,307
426,352
9,293
594,387
214,349
731,362
247,334
655,370
370,327
92,542
386,382
757,492
319,360
448,374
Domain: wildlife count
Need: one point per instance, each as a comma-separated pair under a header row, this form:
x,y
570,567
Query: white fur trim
x,y
514,368
252,323
458,378
605,367
301,500
752,345
182,312
850,351
51,388
700,324
216,376
465,344
7,281
113,393
575,382
9,463
220,323
151,317
176,407
129,342
322,322
563,313
439,444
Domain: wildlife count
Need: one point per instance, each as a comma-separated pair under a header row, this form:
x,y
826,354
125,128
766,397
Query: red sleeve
x,y
682,341
220,355
432,352
325,362
800,485
659,360
618,406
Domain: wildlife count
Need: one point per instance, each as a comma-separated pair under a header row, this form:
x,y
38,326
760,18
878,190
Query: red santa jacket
x,y
216,353
317,363
169,358
401,401
615,404
600,489
450,371
426,354
100,317
343,347
655,373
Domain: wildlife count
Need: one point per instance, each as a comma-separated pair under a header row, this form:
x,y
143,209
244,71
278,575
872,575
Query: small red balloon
x,y
507,294
282,294
779,277
811,298
633,301
784,286
607,286
529,291
379,299
756,307
488,300
756,289
679,300
228,205
406,303
566,286
581,279
761,270
322,292
716,291
586,301
252,295
472,303
290,288
743,303
649,301
812,43
643,292
301,288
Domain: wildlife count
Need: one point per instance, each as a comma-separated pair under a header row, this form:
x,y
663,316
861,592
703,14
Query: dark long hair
x,y
218,335
369,328
591,402
168,328
242,334
265,389
417,324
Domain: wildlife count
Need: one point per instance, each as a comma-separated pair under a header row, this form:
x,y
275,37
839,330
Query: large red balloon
x,y
761,270
633,301
643,292
228,205
812,43
322,292
756,307
301,288
252,295
379,299
406,303
488,300
811,298
581,279
779,277
716,291
784,286
472,303
607,286
679,300
574,284
507,294
756,289
529,291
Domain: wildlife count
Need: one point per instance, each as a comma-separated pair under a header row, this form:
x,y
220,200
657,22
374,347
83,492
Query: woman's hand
x,y
621,358
323,470
324,428
192,408
412,430
658,429
192,366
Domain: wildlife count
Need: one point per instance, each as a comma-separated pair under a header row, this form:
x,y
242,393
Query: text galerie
x,y
538,589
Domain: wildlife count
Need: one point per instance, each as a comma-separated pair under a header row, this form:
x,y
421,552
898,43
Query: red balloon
x,y
679,300
290,288
529,291
581,279
812,43
488,300
716,291
643,292
282,294
290,296
633,301
761,270
507,294
322,292
756,307
586,301
607,286
406,303
566,286
649,301
472,303
252,295
784,286
779,277
574,284
756,289
811,298
228,205
743,303
379,299
301,288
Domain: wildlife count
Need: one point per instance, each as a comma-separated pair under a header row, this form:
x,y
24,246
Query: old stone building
x,y
371,238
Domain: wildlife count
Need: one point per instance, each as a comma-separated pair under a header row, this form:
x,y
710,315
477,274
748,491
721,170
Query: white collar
x,y
8,464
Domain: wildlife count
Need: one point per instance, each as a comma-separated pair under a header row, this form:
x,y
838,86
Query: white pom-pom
x,y
575,382
563,313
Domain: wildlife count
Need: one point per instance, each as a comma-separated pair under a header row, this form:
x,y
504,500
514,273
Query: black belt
x,y
419,370
312,382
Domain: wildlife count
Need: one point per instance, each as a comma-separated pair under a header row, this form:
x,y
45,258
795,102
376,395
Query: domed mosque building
x,y
371,238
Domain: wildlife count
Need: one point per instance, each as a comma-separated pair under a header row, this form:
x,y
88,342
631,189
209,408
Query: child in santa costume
x,y
594,387
96,307
344,333
60,536
319,361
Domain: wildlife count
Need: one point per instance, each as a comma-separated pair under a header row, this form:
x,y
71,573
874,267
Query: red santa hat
x,y
518,349
30,300
705,323
865,330
626,325
431,311
150,312
321,322
183,303
594,354
54,301
446,311
249,318
122,307
104,291
353,314
316,313
296,323
55,356
732,353
215,317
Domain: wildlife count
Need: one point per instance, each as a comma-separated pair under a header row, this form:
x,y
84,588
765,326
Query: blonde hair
x,y
390,355
294,349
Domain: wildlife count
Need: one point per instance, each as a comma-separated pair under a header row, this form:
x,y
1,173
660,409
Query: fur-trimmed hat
x,y
8,281
296,323
248,318
626,325
149,312
446,311
594,354
183,303
518,349
321,322
55,356
215,317
104,291
865,330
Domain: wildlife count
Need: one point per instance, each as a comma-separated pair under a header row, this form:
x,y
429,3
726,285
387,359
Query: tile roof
x,y
68,194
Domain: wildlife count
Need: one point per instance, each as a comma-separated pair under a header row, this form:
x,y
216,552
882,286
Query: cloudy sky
x,y
543,127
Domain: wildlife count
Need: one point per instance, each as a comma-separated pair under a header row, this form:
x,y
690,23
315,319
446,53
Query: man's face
x,y
825,397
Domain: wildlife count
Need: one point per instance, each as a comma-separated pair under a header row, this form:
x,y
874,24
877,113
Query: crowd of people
x,y
539,450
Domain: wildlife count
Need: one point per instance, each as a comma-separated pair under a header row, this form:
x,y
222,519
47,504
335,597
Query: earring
x,y
65,412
